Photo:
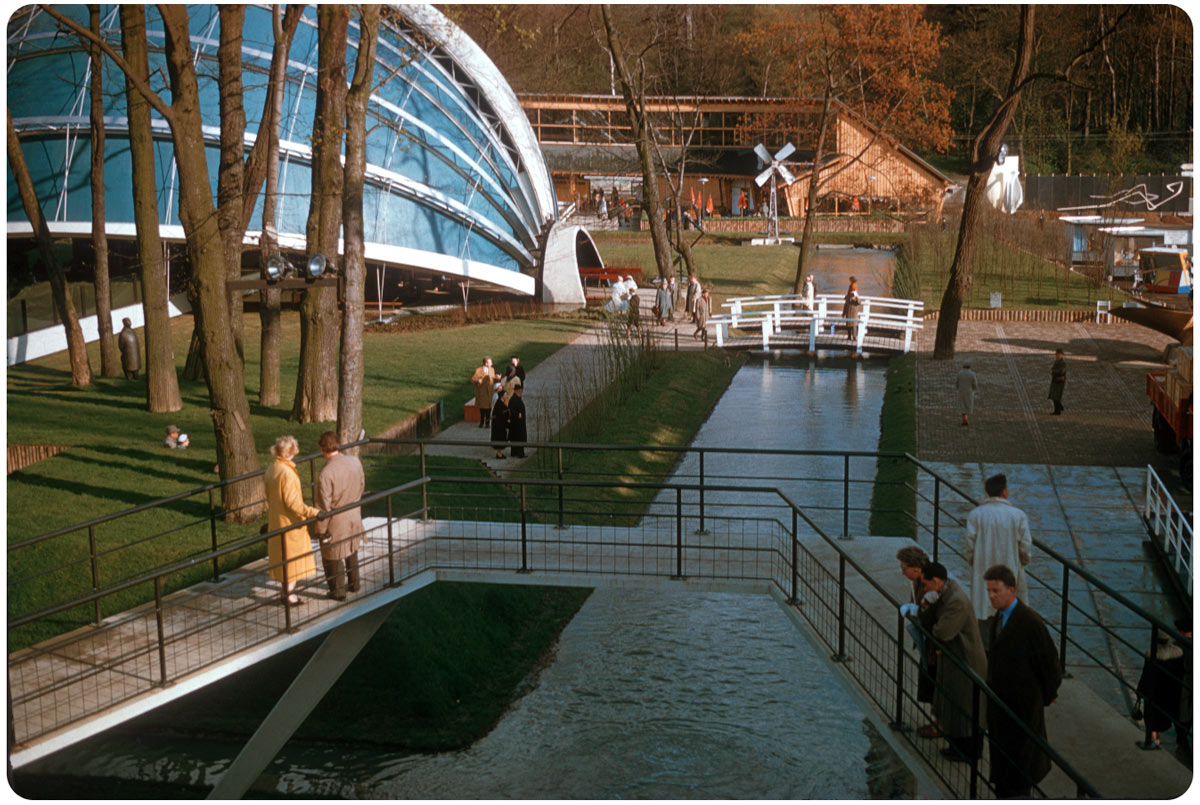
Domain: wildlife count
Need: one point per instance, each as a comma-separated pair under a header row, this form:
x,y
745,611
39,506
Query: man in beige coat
x,y
339,483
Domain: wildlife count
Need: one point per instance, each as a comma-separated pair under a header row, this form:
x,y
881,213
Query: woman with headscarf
x,y
285,506
500,420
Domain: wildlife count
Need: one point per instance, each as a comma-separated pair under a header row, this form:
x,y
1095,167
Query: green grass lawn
x,y
116,462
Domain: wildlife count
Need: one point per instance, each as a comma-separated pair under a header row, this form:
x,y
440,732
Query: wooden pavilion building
x,y
588,144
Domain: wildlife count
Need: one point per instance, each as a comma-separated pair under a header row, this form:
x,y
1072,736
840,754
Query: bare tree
x,y
350,395
162,384
230,412
633,88
284,28
81,370
985,148
110,360
316,380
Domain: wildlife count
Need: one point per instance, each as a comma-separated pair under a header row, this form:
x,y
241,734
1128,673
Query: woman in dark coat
x,y
1058,381
499,421
851,307
517,429
1161,684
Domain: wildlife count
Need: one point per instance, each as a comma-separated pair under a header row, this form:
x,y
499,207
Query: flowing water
x,y
651,694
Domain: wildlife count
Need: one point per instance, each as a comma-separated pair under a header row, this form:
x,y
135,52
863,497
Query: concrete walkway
x,y
559,387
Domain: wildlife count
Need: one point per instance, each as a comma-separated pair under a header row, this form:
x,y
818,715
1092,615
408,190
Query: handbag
x,y
1137,713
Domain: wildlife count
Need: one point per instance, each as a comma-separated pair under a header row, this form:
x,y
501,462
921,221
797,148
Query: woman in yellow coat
x,y
285,505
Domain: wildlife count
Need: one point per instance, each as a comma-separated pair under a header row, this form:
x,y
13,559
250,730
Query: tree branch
x,y
141,86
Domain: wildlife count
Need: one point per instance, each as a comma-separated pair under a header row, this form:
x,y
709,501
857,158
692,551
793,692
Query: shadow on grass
x,y
197,509
195,467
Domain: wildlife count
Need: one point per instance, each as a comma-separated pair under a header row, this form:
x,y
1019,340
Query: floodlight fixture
x,y
317,265
274,269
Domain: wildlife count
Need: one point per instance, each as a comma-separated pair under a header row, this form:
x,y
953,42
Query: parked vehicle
x,y
1171,394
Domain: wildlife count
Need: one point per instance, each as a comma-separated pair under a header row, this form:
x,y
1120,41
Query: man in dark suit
x,y
1023,670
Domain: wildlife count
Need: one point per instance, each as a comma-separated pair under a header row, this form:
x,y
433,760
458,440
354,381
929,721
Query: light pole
x,y
700,211
870,194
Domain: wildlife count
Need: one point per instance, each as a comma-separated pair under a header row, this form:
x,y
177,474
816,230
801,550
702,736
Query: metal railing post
x,y
560,487
162,638
424,488
524,535
700,530
795,556
212,528
678,533
95,573
841,637
287,605
898,721
391,546
1062,627
937,509
846,497
976,742
676,340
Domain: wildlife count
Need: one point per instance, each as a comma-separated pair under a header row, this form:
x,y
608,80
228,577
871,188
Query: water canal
x,y
650,695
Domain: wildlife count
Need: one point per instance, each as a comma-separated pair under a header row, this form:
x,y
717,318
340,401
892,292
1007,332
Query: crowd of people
x,y
501,404
991,633
666,309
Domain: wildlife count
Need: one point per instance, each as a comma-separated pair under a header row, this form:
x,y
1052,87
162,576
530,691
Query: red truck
x,y
1171,394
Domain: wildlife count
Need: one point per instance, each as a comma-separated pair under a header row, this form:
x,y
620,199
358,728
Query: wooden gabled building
x,y
588,144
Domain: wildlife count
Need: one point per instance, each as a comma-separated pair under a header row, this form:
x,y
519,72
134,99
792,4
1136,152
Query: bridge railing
x,y
838,499
174,637
773,315
1169,525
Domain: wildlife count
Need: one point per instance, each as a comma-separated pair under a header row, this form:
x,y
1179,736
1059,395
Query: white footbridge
x,y
791,321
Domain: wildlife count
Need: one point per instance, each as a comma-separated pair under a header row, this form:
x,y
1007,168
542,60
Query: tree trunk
x,y
230,175
81,370
983,156
635,99
236,454
316,380
162,385
110,358
268,312
814,185
350,395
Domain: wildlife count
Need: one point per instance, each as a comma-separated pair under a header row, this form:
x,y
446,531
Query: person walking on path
x,y
1161,685
518,431
1023,670
673,287
703,308
131,352
810,293
997,534
339,483
285,506
500,420
951,621
966,383
662,302
1058,381
851,307
693,293
484,378
635,307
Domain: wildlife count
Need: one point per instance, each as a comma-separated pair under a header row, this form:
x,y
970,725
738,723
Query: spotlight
x,y
275,268
317,265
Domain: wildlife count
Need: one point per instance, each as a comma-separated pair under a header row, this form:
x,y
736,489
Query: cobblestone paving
x,y
1106,421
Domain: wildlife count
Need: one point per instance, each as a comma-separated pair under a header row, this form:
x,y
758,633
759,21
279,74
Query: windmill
x,y
774,168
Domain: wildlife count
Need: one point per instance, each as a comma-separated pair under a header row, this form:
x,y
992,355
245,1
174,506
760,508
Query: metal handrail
x,y
797,513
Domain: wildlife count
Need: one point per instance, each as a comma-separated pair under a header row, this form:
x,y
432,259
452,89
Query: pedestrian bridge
x,y
790,321
733,535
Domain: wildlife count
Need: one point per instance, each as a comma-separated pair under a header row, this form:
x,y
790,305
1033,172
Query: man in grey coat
x,y
131,353
952,621
339,483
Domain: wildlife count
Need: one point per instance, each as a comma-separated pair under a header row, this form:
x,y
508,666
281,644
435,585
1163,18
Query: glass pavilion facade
x,y
456,182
